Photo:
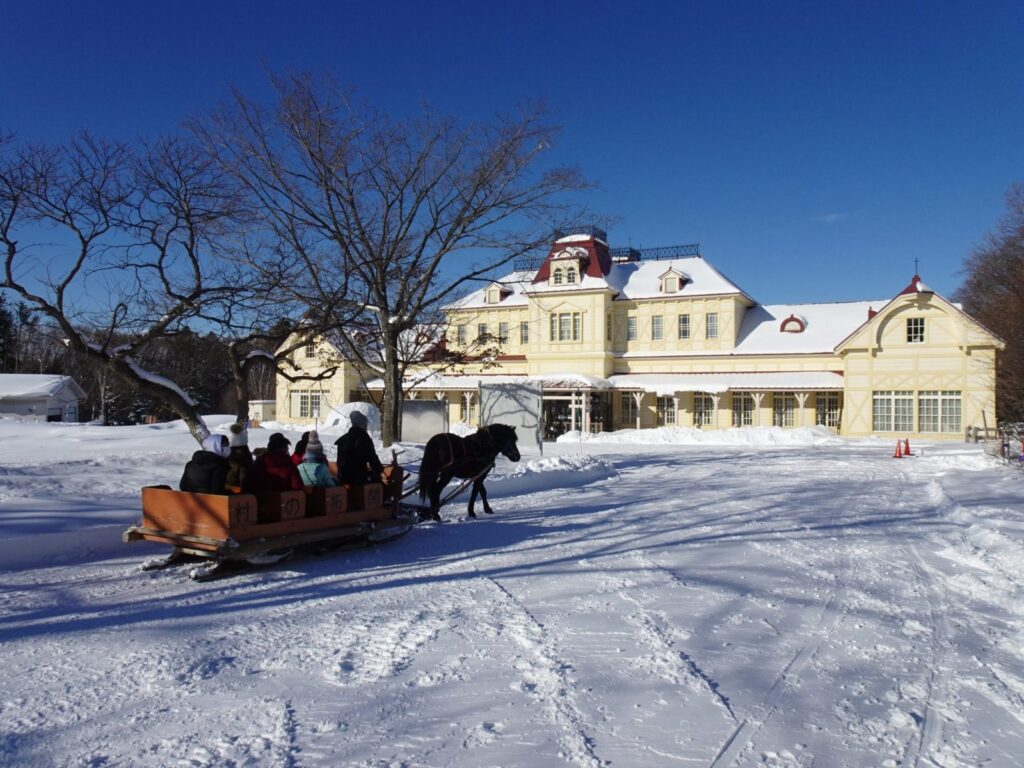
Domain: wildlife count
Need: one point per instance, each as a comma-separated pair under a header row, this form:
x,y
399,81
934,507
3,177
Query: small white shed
x,y
262,410
43,397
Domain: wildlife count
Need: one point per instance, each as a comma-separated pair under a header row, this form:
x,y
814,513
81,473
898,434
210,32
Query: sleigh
x,y
224,533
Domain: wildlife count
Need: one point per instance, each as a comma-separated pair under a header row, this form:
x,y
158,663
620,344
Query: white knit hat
x,y
239,435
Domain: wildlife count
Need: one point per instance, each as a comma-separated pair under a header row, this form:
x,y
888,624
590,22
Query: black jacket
x,y
357,458
239,464
205,473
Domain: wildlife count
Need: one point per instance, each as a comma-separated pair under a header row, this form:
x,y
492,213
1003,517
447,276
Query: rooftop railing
x,y
688,250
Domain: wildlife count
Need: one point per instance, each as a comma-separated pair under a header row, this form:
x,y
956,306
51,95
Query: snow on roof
x,y
630,280
17,386
579,239
642,279
825,326
516,282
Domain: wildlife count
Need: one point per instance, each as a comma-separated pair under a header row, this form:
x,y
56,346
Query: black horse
x,y
447,456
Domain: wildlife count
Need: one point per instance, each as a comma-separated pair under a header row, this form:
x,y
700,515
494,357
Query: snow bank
x,y
549,474
47,549
691,436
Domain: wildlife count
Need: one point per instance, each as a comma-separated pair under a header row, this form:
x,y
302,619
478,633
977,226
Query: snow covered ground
x,y
649,600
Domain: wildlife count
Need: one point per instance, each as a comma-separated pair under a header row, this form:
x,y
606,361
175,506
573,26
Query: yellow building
x,y
633,339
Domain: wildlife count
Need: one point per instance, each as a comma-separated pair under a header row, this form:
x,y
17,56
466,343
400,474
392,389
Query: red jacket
x,y
273,471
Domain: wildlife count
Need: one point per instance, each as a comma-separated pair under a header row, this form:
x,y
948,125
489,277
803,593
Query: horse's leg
x,y
483,497
472,497
435,498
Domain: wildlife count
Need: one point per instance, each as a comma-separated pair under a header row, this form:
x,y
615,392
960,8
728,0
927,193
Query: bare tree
x,y
993,292
137,253
382,222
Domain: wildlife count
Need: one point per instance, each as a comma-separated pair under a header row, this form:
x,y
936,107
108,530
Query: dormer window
x,y
673,281
793,324
556,279
496,293
570,275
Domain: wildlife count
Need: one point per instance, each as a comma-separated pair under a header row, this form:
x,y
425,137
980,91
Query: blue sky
x,y
813,149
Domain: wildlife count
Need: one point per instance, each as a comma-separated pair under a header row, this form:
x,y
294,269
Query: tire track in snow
x,y
381,650
664,641
748,728
828,620
285,738
546,679
935,701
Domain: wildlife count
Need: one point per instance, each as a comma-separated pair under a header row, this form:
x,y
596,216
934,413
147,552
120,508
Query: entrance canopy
x,y
665,384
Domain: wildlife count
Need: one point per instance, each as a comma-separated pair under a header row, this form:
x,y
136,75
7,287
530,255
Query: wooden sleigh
x,y
239,529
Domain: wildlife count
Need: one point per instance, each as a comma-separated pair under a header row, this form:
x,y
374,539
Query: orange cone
x,y
898,453
906,448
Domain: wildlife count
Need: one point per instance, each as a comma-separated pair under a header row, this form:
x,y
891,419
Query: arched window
x,y
558,277
570,275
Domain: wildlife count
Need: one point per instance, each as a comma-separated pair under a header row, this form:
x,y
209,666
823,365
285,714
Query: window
x,y
892,411
938,411
630,329
629,409
524,332
493,296
684,326
310,349
703,410
711,327
783,409
656,331
310,403
460,335
481,331
915,330
826,409
671,284
557,279
503,333
666,412
566,326
742,409
467,414
570,275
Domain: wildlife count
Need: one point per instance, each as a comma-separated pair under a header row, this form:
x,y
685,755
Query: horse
x,y
446,456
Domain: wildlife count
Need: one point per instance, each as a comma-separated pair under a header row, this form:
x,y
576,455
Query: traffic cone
x,y
906,448
898,453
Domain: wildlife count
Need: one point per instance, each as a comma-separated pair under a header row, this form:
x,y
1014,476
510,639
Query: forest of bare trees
x,y
993,292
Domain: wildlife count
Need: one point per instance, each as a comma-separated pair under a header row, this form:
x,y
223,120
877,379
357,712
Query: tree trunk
x,y
240,380
168,395
391,407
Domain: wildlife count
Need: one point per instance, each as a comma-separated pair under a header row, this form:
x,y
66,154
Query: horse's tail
x,y
430,468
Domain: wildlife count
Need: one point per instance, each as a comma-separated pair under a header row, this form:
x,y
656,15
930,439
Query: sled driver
x,y
357,458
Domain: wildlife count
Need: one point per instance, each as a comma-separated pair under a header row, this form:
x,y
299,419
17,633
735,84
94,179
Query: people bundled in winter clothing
x,y
357,458
313,469
300,449
208,469
273,470
240,459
